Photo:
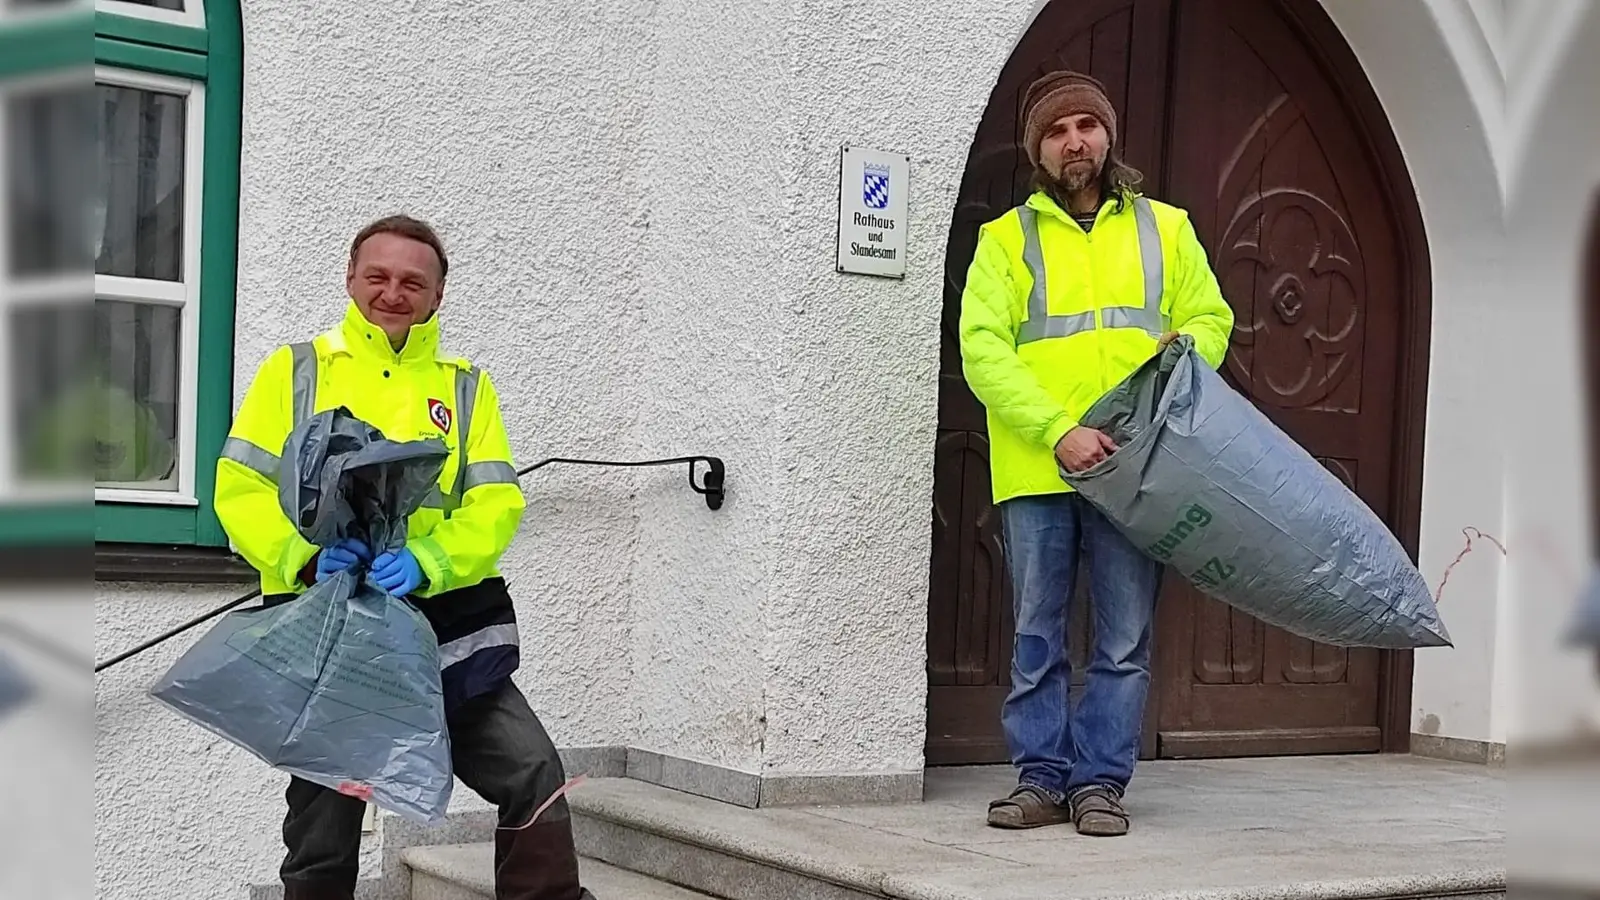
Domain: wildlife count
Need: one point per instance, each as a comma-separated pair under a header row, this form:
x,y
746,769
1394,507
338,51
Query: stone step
x,y
724,850
466,872
941,850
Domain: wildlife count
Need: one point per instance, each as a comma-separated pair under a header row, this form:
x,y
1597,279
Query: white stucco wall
x,y
847,682
710,374
774,638
1437,76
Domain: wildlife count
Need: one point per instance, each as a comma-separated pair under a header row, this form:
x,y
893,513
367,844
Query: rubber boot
x,y
537,862
317,890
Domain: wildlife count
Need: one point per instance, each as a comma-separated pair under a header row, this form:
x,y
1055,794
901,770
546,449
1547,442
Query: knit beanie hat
x,y
1063,94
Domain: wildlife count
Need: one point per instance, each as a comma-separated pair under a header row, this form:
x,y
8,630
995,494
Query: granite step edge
x,y
470,867
711,826
1483,882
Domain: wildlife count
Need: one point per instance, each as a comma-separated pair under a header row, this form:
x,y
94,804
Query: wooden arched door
x,y
1254,116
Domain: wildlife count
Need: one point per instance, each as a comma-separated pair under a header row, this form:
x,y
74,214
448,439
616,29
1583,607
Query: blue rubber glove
x,y
341,557
399,573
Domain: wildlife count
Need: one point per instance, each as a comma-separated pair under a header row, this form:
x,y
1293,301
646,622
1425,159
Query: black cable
x,y
179,630
712,490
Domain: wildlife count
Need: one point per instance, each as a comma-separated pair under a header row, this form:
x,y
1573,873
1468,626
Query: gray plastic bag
x,y
340,685
1205,483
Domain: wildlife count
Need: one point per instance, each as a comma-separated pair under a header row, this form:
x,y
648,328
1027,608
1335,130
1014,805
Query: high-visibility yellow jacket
x,y
1052,318
420,392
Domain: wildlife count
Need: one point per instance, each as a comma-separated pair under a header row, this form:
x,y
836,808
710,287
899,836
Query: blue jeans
x,y
1056,747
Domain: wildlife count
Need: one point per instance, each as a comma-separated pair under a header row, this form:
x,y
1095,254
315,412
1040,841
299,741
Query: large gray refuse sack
x,y
1204,482
340,686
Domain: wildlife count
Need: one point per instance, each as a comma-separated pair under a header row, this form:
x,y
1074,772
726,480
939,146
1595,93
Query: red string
x,y
572,782
1469,532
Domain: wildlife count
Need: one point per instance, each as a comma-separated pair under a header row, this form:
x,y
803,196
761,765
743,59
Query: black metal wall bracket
x,y
714,481
711,486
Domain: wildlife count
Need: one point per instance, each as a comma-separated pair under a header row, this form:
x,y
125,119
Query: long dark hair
x,y
1118,181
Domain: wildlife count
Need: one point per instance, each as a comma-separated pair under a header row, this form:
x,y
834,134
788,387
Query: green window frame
x,y
192,57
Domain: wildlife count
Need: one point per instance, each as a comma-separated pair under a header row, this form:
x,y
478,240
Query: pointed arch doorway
x,y
1255,116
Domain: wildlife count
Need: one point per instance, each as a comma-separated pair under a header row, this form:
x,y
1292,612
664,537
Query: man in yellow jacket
x,y
383,362
1066,296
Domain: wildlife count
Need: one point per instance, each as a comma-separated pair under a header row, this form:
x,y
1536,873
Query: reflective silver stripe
x,y
1129,317
466,396
1058,326
1040,324
251,457
305,380
482,639
435,499
490,472
1150,256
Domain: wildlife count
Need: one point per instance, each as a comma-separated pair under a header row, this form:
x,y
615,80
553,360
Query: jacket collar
x,y
360,338
1041,201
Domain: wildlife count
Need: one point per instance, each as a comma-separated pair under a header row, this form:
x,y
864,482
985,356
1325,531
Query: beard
x,y
1077,174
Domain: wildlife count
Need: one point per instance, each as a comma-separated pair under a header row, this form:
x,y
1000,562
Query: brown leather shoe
x,y
537,862
1097,811
1027,806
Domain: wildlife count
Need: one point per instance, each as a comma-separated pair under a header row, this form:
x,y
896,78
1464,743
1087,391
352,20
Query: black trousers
x,y
500,750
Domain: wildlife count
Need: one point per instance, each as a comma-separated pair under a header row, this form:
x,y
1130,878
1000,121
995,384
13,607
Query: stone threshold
x,y
1463,750
753,791
466,872
740,788
747,854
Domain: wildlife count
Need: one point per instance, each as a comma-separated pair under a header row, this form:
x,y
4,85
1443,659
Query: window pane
x,y
51,346
139,227
137,345
113,415
47,186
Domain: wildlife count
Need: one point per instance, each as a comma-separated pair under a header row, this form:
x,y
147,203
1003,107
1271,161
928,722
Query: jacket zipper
x,y
1094,304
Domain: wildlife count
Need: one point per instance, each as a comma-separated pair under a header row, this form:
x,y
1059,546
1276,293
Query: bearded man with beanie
x,y
1066,296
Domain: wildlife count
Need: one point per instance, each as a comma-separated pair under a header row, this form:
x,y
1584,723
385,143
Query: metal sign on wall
x,y
872,211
